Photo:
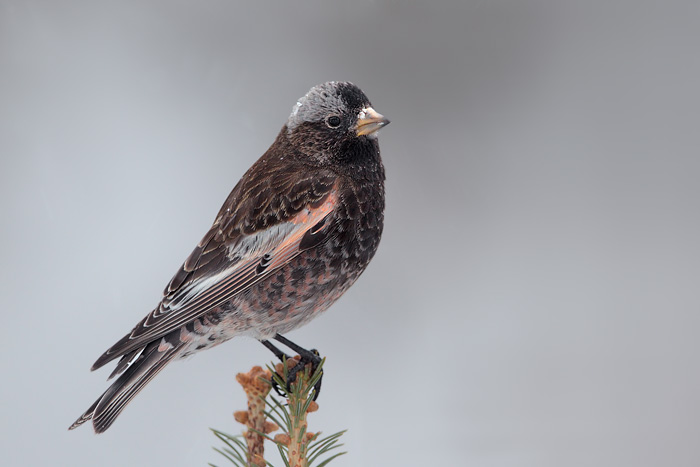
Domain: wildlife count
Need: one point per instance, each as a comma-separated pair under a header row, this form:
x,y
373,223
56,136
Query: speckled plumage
x,y
294,234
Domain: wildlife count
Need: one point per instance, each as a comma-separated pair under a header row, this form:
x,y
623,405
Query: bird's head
x,y
331,118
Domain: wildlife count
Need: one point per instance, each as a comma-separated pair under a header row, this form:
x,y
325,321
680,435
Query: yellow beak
x,y
369,121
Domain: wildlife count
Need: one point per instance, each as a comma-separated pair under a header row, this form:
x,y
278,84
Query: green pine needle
x,y
287,416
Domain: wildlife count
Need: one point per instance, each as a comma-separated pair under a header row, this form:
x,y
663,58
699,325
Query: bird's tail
x,y
145,367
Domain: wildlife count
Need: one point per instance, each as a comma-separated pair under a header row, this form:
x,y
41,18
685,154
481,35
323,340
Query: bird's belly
x,y
291,297
296,293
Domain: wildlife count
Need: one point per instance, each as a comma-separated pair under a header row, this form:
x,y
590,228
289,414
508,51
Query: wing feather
x,y
217,270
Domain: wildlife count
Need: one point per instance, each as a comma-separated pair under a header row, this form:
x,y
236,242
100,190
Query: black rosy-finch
x,y
294,234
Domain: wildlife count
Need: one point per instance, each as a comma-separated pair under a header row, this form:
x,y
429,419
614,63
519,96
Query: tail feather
x,y
143,369
124,362
86,416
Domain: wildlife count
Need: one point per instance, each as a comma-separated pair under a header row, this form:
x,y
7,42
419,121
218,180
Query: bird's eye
x,y
333,121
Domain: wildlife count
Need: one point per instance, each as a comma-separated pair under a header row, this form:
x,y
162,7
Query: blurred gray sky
x,y
535,298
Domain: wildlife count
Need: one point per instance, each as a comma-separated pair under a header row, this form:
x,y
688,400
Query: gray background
x,y
535,298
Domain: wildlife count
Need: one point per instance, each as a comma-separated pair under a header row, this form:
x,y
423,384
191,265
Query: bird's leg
x,y
278,353
310,355
307,356
282,356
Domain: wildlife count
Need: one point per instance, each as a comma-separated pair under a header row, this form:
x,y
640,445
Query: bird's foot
x,y
307,365
305,357
313,359
290,374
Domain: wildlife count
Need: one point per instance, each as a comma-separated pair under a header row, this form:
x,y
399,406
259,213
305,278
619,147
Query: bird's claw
x,y
313,358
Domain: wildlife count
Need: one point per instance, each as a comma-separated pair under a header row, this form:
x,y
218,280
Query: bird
x,y
293,235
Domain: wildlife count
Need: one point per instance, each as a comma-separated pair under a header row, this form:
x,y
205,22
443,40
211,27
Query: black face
x,y
323,124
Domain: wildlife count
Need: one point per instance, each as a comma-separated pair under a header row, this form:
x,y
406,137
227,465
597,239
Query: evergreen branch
x,y
297,446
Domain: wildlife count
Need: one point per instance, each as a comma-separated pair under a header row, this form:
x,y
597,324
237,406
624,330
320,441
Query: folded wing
x,y
228,261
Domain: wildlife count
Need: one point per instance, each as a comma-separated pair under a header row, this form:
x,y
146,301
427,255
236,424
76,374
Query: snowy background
x,y
534,302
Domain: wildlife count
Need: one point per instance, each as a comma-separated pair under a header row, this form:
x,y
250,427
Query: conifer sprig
x,y
297,446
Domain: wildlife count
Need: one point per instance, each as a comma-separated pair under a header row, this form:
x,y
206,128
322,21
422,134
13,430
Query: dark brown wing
x,y
273,214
